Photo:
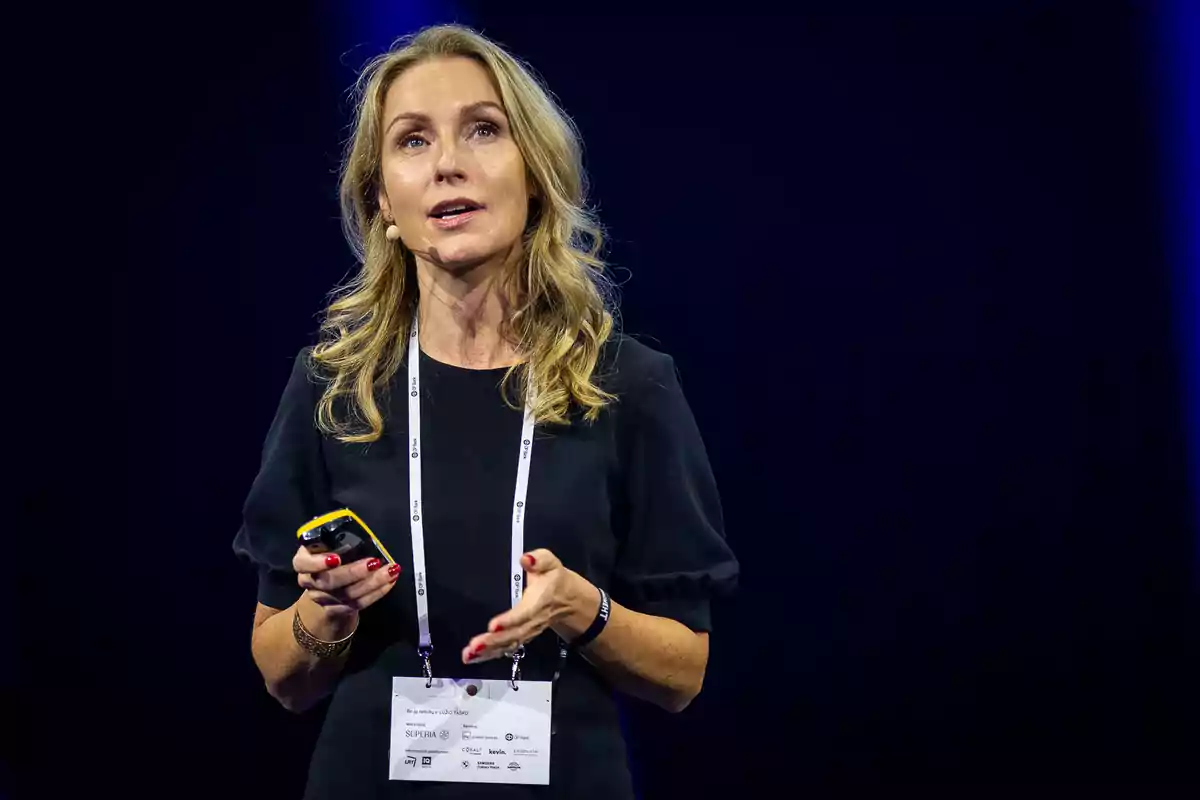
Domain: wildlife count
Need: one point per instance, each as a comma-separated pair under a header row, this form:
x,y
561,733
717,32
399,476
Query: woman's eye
x,y
485,129
411,141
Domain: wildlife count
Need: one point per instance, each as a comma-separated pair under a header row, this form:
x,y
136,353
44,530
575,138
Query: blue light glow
x,y
1180,75
374,24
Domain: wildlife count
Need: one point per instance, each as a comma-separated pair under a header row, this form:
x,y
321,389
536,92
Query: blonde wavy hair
x,y
559,293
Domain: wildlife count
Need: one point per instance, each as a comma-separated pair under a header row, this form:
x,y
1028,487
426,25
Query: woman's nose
x,y
449,166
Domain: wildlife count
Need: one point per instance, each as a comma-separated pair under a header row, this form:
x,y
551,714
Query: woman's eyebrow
x,y
422,117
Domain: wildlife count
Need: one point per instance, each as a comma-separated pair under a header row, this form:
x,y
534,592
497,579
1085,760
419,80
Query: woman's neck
x,y
461,315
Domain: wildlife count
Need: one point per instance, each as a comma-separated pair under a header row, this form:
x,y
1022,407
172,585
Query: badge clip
x,y
517,655
425,652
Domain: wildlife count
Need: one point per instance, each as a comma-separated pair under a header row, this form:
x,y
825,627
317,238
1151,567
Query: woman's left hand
x,y
551,593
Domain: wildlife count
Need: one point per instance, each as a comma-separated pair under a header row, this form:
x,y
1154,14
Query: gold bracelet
x,y
318,647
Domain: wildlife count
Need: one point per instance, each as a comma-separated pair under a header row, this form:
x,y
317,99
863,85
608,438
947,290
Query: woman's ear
x,y
385,207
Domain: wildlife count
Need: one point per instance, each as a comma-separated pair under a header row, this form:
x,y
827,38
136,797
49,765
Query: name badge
x,y
470,731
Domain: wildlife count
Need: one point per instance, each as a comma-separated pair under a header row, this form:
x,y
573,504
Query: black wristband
x,y
585,638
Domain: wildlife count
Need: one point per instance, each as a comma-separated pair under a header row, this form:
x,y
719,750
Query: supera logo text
x,y
419,734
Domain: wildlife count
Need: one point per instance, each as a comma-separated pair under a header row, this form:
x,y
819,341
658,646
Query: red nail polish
x,y
394,570
499,628
478,649
333,560
471,656
532,560
374,564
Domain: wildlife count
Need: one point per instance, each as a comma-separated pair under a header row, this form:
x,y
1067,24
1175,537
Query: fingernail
x,y
499,628
374,564
333,560
478,649
532,560
394,570
471,656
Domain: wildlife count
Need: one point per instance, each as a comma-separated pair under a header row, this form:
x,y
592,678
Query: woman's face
x,y
453,178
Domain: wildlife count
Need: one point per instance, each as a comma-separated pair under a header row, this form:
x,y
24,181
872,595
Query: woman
x,y
462,192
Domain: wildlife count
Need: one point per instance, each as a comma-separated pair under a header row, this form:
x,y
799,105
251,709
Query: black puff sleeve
x,y
673,559
291,488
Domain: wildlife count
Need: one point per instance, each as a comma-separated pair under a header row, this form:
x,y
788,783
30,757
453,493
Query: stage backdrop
x,y
914,267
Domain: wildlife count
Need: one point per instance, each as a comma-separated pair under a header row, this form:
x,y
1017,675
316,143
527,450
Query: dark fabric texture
x,y
628,501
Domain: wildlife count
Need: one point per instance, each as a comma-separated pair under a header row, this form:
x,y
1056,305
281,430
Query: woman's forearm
x,y
295,677
652,658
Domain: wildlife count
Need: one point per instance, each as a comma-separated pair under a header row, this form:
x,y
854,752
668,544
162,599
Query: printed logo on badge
x,y
505,735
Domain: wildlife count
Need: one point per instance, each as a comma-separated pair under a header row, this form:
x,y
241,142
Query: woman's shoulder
x,y
305,383
315,374
630,367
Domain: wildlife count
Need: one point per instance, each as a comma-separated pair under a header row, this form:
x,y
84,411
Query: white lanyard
x,y
524,456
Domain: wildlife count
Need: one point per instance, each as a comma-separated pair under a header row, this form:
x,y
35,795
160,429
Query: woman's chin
x,y
459,259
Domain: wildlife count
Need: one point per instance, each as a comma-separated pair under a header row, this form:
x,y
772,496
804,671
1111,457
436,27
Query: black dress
x,y
628,501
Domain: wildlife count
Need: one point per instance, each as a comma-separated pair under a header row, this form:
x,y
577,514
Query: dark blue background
x,y
912,265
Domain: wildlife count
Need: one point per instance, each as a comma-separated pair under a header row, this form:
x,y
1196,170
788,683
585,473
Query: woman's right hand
x,y
343,589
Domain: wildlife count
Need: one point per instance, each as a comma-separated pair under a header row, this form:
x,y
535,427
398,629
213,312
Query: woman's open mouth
x,y
451,214
454,220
